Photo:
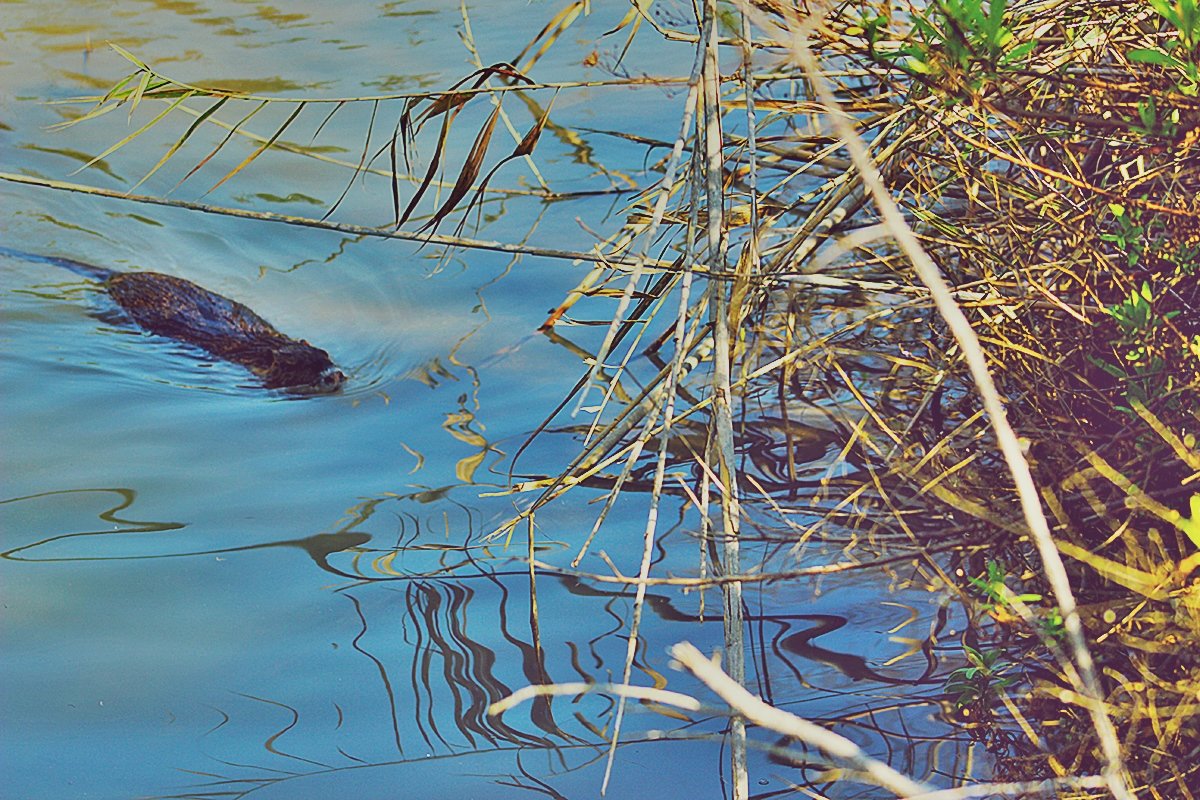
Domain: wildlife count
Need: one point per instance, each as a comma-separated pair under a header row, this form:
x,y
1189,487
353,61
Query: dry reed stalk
x,y
722,393
680,365
443,240
665,188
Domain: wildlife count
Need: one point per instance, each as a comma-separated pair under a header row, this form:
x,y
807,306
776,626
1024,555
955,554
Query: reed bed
x,y
1041,159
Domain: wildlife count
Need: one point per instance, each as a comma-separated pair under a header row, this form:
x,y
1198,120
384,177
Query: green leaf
x,y
133,135
1190,526
1167,11
1147,56
138,92
130,57
182,139
1019,52
246,161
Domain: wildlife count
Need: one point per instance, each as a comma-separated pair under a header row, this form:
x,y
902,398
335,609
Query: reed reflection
x,y
443,622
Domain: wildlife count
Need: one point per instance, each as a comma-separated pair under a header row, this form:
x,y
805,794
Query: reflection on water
x,y
439,631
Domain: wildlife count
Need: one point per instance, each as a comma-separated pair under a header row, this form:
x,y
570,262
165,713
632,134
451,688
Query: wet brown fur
x,y
182,310
179,309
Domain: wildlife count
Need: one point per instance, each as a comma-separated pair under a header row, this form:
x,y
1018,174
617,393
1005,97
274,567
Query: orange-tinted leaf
x,y
429,172
523,148
558,23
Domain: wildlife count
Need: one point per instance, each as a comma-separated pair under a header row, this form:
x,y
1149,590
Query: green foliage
x,y
1150,243
1138,365
979,684
1155,123
1128,234
1050,624
994,587
957,45
1180,54
1184,15
1001,600
1190,526
1135,314
1139,353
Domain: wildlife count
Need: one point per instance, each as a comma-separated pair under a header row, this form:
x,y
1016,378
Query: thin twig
x,y
838,748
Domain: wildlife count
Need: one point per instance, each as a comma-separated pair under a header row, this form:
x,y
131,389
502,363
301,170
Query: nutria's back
x,y
180,309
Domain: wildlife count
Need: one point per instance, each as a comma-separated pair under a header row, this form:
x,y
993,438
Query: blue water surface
x,y
214,590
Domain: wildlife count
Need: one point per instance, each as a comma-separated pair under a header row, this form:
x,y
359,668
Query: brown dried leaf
x,y
469,172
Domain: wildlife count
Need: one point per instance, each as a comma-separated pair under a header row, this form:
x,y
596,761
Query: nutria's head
x,y
298,366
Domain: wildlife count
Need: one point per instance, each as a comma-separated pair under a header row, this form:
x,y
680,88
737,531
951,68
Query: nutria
x,y
181,310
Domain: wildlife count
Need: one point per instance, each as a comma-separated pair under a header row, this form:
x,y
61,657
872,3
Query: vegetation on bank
x,y
1044,155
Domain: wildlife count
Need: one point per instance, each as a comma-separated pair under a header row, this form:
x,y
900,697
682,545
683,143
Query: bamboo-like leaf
x,y
130,57
448,104
117,87
450,100
555,22
453,99
178,144
554,29
102,105
637,24
395,175
469,172
217,149
406,132
138,92
246,161
329,116
443,104
630,15
530,140
132,136
506,70
362,160
97,111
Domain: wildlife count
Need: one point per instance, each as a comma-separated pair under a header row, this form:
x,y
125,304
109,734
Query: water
x,y
211,588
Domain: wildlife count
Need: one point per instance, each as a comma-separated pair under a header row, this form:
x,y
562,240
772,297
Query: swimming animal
x,y
181,310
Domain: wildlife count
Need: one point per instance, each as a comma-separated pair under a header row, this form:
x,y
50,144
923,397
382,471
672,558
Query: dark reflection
x,y
78,157
853,666
122,525
446,630
452,666
782,456
319,547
